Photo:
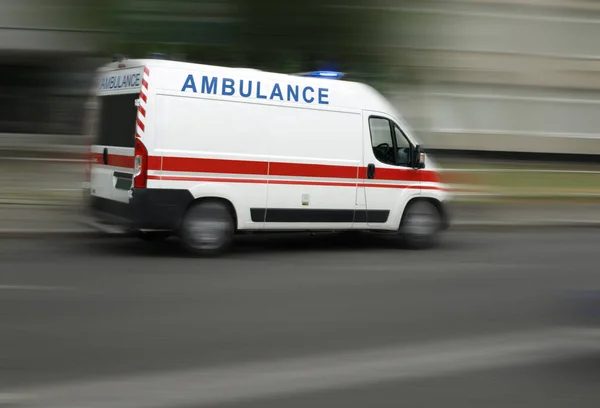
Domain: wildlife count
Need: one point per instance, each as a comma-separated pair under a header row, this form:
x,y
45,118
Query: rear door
x,y
115,129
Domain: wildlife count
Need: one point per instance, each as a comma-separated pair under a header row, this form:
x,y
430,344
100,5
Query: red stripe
x,y
288,182
207,179
312,183
247,167
145,83
146,71
141,124
143,96
194,165
434,188
430,176
312,170
142,110
377,185
154,162
116,160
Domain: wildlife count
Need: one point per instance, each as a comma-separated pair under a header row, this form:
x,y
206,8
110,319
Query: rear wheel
x,y
421,225
207,228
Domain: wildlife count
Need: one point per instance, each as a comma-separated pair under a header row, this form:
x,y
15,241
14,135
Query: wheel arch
x,y
215,199
439,206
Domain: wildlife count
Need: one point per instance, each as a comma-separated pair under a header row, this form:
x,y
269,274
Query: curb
x,y
512,225
41,233
459,226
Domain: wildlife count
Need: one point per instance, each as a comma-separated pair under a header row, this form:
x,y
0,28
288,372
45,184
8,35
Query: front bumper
x,y
445,213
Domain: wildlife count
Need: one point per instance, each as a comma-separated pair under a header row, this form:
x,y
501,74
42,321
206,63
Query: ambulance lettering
x,y
120,81
257,89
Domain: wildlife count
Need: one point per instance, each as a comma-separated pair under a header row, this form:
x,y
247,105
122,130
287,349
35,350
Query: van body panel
x,y
288,152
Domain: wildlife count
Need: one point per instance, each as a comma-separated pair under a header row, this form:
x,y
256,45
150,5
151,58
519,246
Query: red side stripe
x,y
142,110
193,165
247,167
146,71
312,170
116,160
429,176
312,183
207,179
394,174
154,162
377,185
144,97
287,182
145,83
121,161
141,124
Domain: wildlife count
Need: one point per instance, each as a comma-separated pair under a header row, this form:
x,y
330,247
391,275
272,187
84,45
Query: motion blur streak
x,y
309,374
496,90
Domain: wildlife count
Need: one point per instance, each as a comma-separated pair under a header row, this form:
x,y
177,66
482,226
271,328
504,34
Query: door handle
x,y
105,156
371,171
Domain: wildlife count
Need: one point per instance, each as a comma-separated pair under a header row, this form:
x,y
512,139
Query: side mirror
x,y
418,157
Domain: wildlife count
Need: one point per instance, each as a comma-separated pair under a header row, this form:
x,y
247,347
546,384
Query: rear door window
x,y
117,120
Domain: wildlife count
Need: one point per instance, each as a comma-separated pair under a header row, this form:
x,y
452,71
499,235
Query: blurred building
x,y
45,46
468,74
172,22
500,75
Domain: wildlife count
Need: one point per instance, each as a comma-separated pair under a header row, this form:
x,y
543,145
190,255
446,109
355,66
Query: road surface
x,y
297,321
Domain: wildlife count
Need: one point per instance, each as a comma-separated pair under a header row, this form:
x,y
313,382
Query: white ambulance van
x,y
205,152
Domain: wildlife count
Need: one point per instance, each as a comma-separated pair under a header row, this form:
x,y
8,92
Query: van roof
x,y
205,67
359,95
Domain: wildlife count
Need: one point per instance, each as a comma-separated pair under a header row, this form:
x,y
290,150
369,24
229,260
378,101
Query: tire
x,y
421,225
207,229
153,236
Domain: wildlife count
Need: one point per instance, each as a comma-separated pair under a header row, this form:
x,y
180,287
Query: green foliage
x,y
284,36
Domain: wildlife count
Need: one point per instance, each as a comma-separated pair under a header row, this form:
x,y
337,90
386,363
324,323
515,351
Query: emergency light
x,y
323,74
157,55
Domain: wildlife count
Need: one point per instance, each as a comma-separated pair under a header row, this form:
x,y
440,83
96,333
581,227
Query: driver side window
x,y
388,142
402,148
382,140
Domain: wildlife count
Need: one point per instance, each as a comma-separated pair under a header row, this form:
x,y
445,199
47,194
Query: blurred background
x,y
503,92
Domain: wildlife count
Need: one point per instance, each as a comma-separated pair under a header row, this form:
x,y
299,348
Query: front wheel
x,y
421,225
207,228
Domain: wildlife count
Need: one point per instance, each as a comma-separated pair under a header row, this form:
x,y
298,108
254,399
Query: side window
x,y
402,148
382,140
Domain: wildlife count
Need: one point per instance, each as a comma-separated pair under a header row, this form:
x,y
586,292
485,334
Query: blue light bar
x,y
323,74
157,55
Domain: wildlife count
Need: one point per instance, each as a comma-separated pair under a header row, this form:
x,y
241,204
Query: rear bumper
x,y
148,209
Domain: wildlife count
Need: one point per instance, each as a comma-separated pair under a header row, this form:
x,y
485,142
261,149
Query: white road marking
x,y
33,287
237,383
11,398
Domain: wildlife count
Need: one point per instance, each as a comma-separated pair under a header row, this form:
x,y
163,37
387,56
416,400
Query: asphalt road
x,y
296,321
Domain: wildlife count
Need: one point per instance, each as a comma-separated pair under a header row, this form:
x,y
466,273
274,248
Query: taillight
x,y
140,166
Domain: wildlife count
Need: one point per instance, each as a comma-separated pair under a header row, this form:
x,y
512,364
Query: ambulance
x,y
205,152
